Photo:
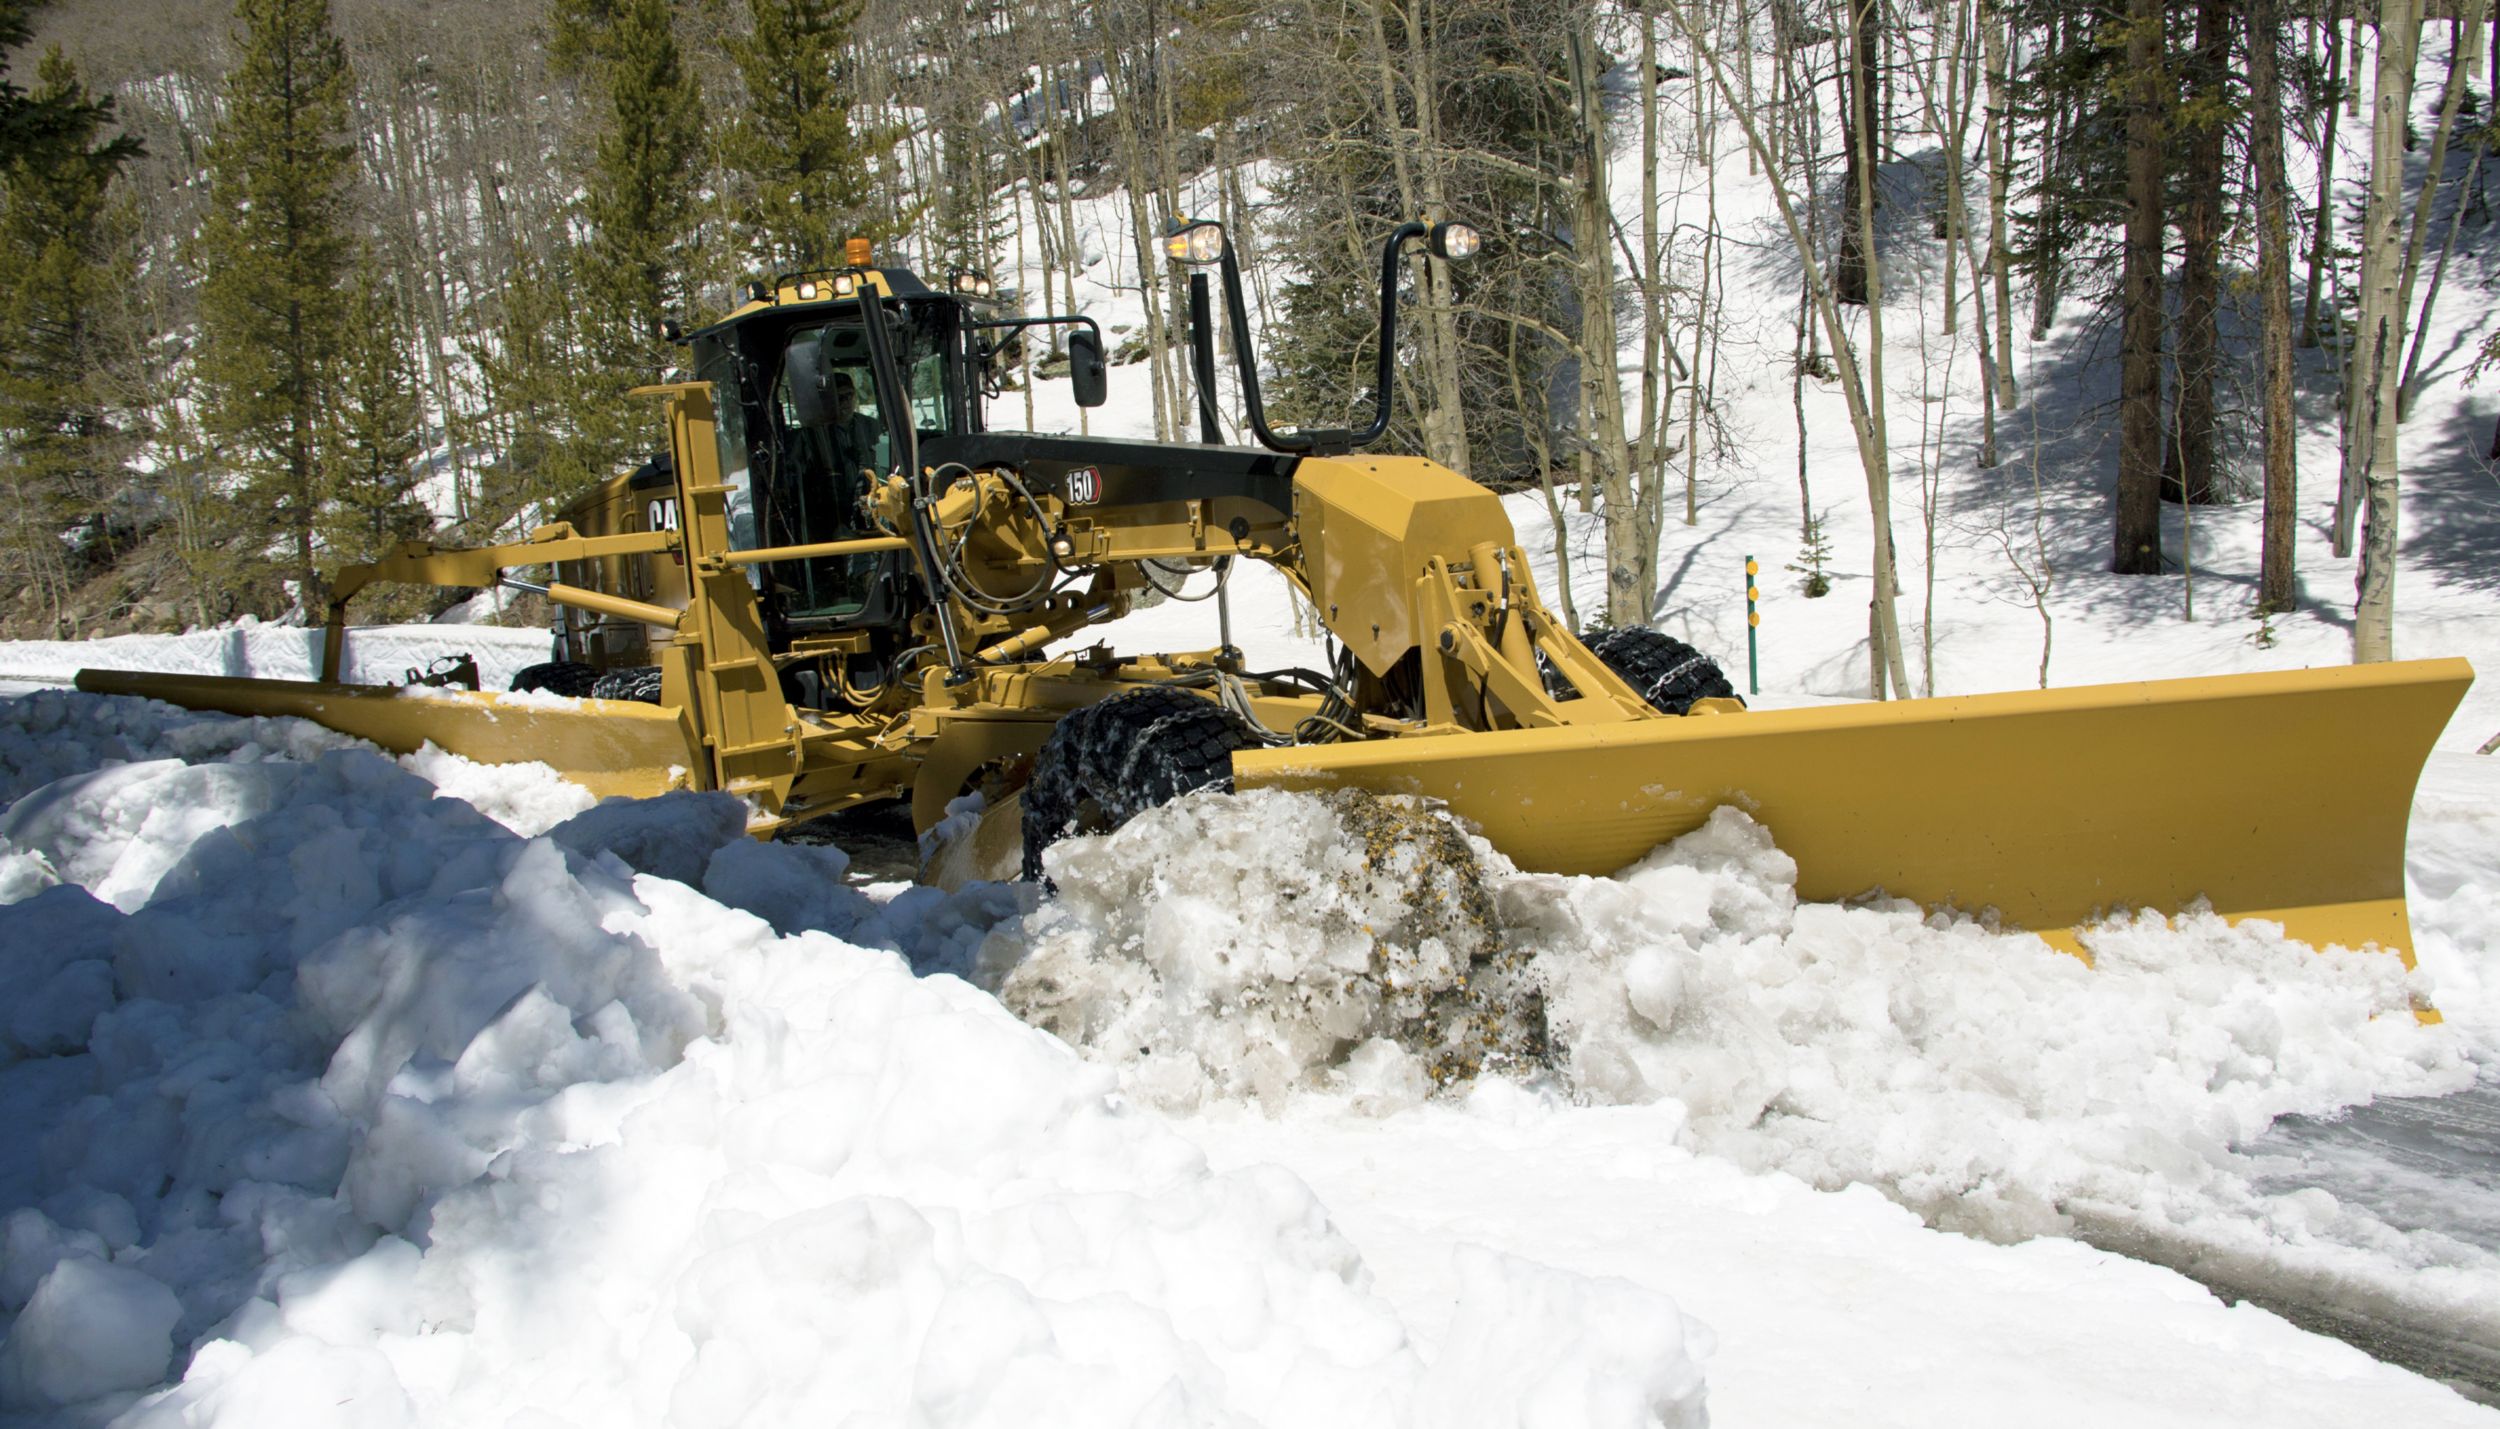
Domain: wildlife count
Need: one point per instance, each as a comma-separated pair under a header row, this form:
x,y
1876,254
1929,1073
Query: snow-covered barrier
x,y
330,1100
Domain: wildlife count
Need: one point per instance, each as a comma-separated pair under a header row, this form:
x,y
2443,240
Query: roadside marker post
x,y
1753,627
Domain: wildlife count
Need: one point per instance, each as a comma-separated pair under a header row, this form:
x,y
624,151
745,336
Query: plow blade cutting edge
x,y
2275,796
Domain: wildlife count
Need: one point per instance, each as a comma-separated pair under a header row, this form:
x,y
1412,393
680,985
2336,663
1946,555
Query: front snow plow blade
x,y
610,747
2275,796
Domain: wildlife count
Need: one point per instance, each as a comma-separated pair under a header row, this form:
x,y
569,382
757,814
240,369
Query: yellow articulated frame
x,y
2274,796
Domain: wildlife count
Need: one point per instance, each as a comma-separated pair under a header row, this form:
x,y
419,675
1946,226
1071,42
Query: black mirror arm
x,y
1006,327
1389,254
1237,311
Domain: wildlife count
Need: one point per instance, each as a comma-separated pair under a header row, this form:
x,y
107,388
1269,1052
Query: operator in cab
x,y
854,435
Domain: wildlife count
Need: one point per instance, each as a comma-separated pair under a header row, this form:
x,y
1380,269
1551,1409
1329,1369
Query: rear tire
x,y
1109,762
557,677
1667,672
639,683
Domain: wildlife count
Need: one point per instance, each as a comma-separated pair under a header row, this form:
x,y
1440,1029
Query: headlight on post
x,y
1195,243
1455,241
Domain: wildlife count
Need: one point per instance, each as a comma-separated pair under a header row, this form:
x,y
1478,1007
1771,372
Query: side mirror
x,y
1085,368
803,376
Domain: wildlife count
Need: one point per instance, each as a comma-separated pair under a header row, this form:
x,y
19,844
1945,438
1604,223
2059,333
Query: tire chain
x,y
1125,755
1668,673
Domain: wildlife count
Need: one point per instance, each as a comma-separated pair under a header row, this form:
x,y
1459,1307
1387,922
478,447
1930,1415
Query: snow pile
x,y
1992,1084
2452,886
1983,1079
52,734
337,1102
376,654
1251,945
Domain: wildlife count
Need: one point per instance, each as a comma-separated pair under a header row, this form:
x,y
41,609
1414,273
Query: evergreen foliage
x,y
800,169
51,119
577,330
641,200
378,433
64,250
273,258
531,327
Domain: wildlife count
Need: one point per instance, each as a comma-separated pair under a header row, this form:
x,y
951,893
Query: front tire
x,y
557,677
1667,672
1109,762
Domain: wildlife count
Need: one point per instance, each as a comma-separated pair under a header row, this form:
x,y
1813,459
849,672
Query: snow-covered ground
x,y
337,1089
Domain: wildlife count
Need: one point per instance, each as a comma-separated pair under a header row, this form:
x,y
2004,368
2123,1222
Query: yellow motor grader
x,y
837,585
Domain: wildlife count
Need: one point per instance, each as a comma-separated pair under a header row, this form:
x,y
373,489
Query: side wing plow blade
x,y
2279,796
609,747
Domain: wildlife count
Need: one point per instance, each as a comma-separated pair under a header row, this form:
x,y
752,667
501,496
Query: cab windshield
x,y
829,441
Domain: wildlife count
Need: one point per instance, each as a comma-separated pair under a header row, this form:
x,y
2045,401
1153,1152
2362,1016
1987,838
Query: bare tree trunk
x,y
2188,464
1445,424
1694,393
1631,533
2461,62
2439,273
2048,273
2324,229
2370,453
1863,397
1997,139
1650,439
2275,579
1540,453
1857,137
2136,543
1411,160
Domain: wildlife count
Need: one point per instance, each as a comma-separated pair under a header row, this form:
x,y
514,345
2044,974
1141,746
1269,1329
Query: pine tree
x,y
50,117
378,435
639,205
273,255
641,199
801,168
64,247
529,333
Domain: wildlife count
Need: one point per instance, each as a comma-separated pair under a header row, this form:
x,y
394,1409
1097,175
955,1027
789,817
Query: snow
x,y
347,1090
376,654
340,1102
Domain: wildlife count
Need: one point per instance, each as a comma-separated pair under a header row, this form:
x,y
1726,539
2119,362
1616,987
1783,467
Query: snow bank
x,y
345,1104
376,654
1983,1079
53,734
